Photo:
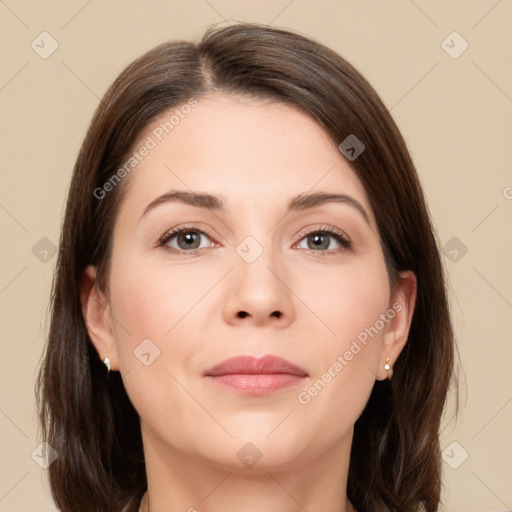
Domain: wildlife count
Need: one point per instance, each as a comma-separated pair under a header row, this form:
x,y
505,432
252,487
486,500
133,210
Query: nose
x,y
257,294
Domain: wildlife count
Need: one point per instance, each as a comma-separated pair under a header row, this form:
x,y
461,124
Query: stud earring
x,y
388,368
106,362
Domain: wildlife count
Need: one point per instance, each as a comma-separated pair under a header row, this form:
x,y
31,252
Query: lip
x,y
256,376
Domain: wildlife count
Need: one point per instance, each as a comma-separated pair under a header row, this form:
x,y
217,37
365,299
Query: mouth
x,y
256,376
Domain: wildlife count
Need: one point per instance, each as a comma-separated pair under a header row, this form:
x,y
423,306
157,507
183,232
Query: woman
x,y
249,310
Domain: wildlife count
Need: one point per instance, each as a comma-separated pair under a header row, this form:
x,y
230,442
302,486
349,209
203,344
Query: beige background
x,y
455,114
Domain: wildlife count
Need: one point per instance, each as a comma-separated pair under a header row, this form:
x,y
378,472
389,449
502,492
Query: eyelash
x,y
339,236
170,234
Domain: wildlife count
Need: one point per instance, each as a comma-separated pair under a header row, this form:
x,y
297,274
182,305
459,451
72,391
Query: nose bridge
x,y
253,269
256,290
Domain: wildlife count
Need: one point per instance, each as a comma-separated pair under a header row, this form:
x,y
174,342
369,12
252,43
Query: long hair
x,y
89,420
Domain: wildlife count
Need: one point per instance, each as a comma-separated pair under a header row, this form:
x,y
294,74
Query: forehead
x,y
244,149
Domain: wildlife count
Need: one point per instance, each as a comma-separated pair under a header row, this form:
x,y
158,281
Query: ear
x,y
95,310
401,306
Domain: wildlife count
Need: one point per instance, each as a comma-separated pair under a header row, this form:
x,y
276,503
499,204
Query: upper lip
x,y
250,365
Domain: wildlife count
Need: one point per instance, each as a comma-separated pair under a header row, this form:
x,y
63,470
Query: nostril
x,y
243,314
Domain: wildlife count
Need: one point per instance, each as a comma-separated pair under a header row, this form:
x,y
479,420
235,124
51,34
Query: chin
x,y
255,450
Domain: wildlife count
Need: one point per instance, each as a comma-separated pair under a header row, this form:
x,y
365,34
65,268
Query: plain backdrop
x,y
441,67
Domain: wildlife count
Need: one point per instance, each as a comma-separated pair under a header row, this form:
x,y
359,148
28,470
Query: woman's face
x,y
244,232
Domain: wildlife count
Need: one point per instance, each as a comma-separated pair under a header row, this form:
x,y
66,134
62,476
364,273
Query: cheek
x,y
152,300
349,307
346,301
158,316
153,309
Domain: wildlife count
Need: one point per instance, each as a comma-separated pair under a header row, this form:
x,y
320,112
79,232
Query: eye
x,y
324,240
186,239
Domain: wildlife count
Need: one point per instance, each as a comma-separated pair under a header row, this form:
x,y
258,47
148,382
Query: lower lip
x,y
257,384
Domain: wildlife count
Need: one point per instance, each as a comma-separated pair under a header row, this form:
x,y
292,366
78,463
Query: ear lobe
x,y
96,316
395,337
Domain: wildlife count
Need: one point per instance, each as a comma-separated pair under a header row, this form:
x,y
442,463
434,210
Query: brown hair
x,y
88,419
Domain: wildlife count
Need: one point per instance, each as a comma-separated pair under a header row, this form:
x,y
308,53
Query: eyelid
x,y
342,239
323,229
164,239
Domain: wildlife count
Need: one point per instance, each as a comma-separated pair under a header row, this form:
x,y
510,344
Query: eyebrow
x,y
216,203
304,201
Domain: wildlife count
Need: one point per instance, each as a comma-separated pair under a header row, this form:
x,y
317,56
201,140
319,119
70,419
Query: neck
x,y
145,507
180,482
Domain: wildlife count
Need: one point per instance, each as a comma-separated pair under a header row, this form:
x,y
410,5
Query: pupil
x,y
189,240
319,241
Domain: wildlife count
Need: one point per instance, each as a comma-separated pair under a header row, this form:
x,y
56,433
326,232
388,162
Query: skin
x,y
257,155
